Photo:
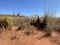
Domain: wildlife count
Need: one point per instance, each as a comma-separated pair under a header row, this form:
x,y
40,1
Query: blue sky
x,y
29,7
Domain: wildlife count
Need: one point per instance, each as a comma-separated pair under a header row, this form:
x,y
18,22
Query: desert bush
x,y
6,22
37,23
48,23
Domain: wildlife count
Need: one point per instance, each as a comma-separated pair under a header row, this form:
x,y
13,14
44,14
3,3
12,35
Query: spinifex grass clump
x,y
50,22
57,25
5,22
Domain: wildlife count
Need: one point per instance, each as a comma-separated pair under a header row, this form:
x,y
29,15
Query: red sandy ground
x,y
19,38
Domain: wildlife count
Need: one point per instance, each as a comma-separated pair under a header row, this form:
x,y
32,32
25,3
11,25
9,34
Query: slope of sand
x,y
19,38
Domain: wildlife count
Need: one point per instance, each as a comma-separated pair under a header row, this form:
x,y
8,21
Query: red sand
x,y
22,39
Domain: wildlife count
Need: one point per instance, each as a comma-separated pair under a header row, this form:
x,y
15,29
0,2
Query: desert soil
x,y
14,37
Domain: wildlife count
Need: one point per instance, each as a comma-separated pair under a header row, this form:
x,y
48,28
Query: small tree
x,y
18,14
